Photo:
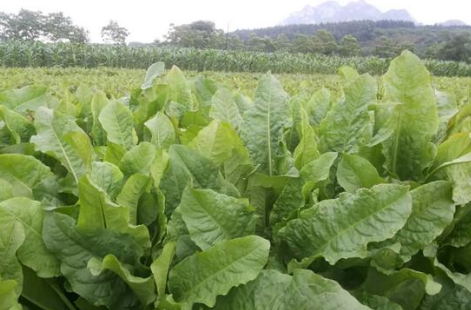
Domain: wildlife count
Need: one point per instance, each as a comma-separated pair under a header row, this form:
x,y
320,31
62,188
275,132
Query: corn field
x,y
65,55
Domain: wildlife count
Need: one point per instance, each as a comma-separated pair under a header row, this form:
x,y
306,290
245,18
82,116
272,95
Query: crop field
x,y
19,54
171,189
117,82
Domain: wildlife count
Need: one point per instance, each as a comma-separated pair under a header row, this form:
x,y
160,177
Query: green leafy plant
x,y
188,195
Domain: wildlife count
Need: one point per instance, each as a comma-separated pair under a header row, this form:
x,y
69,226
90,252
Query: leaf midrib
x,y
354,224
63,150
217,272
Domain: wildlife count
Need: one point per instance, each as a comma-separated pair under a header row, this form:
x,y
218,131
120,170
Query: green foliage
x,y
349,46
34,25
114,33
187,194
289,60
199,34
456,47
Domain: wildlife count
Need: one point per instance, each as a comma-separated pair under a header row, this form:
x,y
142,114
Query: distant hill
x,y
332,12
367,32
453,23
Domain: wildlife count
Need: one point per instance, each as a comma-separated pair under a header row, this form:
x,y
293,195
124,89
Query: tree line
x,y
53,27
385,39
429,41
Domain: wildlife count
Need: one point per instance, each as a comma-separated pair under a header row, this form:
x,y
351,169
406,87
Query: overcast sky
x,y
148,20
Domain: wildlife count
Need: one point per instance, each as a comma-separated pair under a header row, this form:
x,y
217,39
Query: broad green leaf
x,y
432,211
158,167
32,253
348,74
186,167
386,119
347,125
202,171
318,169
43,293
316,174
343,227
18,125
161,130
461,121
84,94
59,136
318,106
8,297
457,146
409,151
118,123
138,159
457,278
144,288
219,142
98,134
74,249
273,290
460,235
66,105
176,228
114,153
28,98
179,90
292,136
306,151
376,302
224,108
355,172
243,102
446,105
98,212
12,236
264,124
23,173
132,191
106,177
161,266
6,190
153,72
203,276
456,298
205,88
290,199
405,287
212,218
454,158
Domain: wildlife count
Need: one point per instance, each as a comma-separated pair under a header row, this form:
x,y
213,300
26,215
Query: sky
x,y
148,20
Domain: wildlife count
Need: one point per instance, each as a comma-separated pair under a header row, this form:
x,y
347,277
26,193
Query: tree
x,y
327,41
349,46
26,25
31,25
385,48
235,43
114,33
4,24
199,34
260,44
282,43
457,47
59,27
306,44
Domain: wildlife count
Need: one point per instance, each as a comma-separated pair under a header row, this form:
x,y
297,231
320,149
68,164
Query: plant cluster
x,y
193,196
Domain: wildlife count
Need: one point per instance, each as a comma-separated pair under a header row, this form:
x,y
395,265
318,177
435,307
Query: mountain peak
x,y
332,11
